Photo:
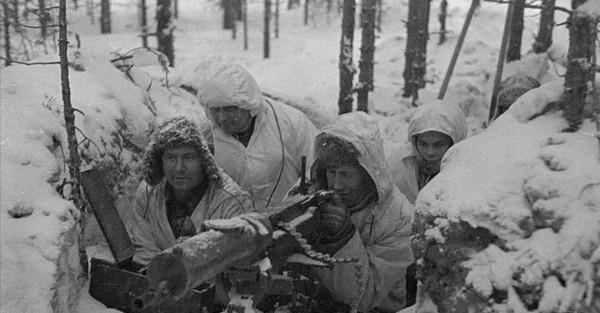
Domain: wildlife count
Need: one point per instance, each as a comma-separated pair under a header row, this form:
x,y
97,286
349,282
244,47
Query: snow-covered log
x,y
512,222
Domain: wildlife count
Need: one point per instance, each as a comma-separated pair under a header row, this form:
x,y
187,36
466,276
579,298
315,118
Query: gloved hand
x,y
336,228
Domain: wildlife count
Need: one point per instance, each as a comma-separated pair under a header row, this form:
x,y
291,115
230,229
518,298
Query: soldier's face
x,y
182,168
432,145
348,183
231,119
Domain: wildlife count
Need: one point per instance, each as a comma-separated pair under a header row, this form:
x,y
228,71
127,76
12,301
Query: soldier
x,y
369,220
182,188
258,142
511,89
433,129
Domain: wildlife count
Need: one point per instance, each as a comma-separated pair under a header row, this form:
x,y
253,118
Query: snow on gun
x,y
179,269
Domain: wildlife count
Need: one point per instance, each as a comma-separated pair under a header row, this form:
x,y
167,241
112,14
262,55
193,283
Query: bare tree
x,y
267,31
346,66
543,41
6,27
276,18
416,48
582,34
15,13
442,19
306,9
516,32
245,22
176,8
367,52
144,23
44,18
228,15
105,17
237,7
164,30
379,15
74,161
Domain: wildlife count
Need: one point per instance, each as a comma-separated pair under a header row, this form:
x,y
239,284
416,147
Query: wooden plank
x,y
102,202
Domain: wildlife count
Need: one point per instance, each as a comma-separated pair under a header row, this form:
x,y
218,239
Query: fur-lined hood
x,y
177,132
362,132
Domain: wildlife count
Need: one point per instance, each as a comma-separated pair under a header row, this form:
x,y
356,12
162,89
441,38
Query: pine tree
x,y
442,18
416,47
516,32
105,27
582,34
367,52
144,23
6,27
164,30
266,30
543,41
346,66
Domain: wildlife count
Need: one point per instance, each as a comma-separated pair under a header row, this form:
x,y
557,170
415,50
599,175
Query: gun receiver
x,y
179,269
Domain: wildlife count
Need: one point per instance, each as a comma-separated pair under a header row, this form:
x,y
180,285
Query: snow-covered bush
x,y
512,222
39,230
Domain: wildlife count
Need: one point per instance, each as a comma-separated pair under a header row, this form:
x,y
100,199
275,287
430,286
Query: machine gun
x,y
179,269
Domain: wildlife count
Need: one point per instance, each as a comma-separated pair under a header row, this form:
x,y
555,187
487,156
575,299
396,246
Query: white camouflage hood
x,y
360,130
439,116
222,84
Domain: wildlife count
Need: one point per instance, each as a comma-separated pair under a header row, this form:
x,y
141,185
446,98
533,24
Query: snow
x,y
534,193
590,8
303,70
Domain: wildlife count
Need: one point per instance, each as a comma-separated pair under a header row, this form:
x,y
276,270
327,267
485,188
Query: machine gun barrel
x,y
198,259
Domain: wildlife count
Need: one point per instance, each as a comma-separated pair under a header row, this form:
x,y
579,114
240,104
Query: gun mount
x,y
179,269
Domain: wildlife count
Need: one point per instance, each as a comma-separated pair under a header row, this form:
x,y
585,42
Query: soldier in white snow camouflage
x,y
182,188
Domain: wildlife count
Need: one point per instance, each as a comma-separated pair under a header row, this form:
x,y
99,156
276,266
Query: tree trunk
x,y
89,11
416,48
543,41
43,18
164,30
175,8
144,23
228,15
579,70
501,58
276,18
346,66
105,17
379,15
267,31
245,22
237,6
459,43
6,27
442,19
233,18
15,14
74,161
516,32
306,7
367,52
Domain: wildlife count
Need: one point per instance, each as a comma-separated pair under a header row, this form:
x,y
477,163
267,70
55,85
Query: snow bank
x,y
39,231
519,216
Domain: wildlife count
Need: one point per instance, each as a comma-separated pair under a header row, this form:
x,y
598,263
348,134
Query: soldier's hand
x,y
336,228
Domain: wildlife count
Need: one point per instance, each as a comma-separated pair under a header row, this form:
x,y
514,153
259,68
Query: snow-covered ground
x,y
118,114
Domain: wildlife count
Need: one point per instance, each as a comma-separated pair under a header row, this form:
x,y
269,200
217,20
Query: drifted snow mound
x,y
512,222
39,233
